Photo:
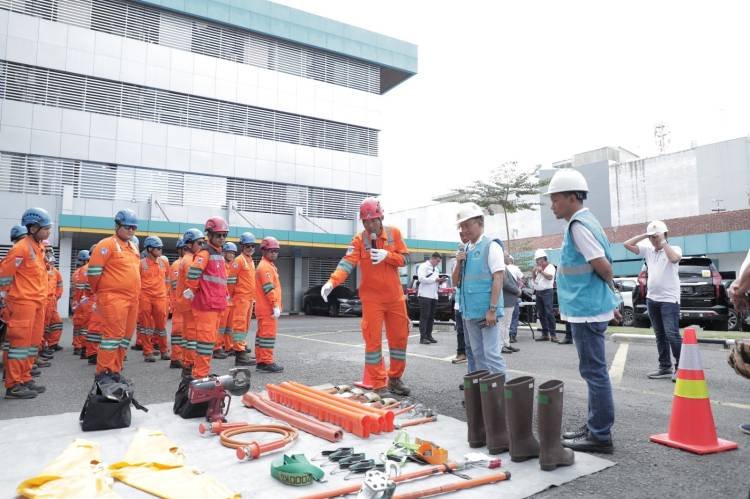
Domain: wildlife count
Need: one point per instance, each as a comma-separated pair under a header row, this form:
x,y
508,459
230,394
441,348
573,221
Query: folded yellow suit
x,y
156,465
76,473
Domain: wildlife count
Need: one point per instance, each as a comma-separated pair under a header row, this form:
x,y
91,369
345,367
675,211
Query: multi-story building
x,y
181,110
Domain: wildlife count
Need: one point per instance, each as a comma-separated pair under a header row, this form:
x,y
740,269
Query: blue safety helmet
x,y
38,216
247,238
84,255
153,242
192,235
180,243
229,247
126,217
17,232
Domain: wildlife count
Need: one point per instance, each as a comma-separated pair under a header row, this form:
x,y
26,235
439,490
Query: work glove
x,y
188,294
378,255
739,358
326,290
276,312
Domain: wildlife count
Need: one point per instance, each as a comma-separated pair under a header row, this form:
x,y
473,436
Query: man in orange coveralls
x,y
52,322
243,296
379,251
177,340
267,306
115,279
23,295
223,345
207,289
193,241
80,295
152,304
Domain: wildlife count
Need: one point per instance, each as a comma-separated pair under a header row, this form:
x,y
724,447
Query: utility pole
x,y
718,208
661,135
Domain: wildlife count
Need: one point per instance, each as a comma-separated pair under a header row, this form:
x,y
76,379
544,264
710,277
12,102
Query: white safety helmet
x,y
467,211
540,253
656,227
567,180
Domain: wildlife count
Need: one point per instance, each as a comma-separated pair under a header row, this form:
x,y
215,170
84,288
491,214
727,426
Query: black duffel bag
x,y
182,405
108,405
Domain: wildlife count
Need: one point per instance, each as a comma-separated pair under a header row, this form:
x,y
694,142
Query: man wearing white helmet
x,y
587,301
663,295
543,276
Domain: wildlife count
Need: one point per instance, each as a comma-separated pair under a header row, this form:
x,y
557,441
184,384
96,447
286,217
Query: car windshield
x,y
687,271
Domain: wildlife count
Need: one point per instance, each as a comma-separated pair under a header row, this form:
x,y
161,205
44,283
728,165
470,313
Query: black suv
x,y
703,296
446,299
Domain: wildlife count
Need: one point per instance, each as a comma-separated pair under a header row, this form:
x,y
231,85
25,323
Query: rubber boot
x,y
492,392
473,402
519,412
549,420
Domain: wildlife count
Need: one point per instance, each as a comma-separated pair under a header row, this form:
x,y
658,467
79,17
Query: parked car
x,y
703,297
341,301
734,322
556,305
626,286
446,299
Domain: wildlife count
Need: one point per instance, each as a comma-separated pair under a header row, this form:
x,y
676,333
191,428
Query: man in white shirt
x,y
663,295
543,276
513,270
428,275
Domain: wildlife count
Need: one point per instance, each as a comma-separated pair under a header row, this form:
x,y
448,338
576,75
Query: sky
x,y
538,81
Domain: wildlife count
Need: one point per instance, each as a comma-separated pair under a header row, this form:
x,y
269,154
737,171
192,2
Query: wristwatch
x,y
493,308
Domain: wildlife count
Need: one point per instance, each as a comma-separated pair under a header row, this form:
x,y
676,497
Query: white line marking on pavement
x,y
413,335
355,345
618,363
324,333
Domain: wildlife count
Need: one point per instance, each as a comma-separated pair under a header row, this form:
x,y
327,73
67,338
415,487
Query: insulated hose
x,y
253,450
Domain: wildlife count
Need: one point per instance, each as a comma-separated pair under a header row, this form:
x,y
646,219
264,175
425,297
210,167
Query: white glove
x,y
326,290
378,255
276,312
74,306
188,294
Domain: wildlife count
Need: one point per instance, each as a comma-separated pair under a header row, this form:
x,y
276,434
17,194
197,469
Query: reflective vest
x,y
212,289
476,283
580,290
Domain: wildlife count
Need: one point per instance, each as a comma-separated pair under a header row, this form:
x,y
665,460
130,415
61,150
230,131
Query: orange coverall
x,y
383,300
206,319
52,322
23,278
152,304
177,325
81,294
115,278
185,309
243,295
267,280
224,332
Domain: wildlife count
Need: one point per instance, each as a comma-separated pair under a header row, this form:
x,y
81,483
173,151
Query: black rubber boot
x,y
519,412
473,402
492,393
549,421
243,359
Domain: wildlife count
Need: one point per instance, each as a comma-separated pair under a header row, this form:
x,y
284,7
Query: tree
x,y
507,189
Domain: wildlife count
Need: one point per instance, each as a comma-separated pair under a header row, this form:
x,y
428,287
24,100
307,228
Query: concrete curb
x,y
648,338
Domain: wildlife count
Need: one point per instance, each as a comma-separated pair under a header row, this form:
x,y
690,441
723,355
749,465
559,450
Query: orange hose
x,y
293,418
452,487
253,449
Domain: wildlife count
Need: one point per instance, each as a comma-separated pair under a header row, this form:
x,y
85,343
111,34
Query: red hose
x,y
299,421
253,450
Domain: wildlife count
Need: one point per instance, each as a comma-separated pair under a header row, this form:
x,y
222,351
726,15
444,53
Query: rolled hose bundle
x,y
253,450
277,411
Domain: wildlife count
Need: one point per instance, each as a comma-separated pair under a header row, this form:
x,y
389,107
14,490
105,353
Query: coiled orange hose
x,y
254,449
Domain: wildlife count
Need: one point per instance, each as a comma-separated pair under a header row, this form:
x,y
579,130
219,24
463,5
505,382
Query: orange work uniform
x,y
23,281
267,280
207,279
243,296
383,300
115,279
152,303
176,336
81,305
224,332
52,322
185,309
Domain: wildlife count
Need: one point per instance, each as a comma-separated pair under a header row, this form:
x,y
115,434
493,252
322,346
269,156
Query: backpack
x,y
107,405
182,405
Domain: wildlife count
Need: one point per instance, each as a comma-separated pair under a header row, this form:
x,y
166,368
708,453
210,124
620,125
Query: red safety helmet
x,y
216,224
369,209
268,243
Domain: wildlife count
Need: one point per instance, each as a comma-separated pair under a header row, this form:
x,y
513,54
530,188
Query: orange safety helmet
x,y
369,209
216,224
268,243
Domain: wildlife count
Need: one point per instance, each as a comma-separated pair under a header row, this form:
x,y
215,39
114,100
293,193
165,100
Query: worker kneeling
x,y
379,251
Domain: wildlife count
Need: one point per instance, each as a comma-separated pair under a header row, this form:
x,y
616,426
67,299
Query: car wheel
x,y
732,323
641,322
307,308
333,310
628,318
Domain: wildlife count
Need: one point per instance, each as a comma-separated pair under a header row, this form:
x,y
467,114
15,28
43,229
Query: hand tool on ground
x,y
217,391
336,457
253,450
363,467
452,487
345,463
340,451
414,422
296,470
481,460
377,485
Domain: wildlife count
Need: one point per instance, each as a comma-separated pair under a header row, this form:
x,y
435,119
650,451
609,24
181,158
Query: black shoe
x,y
565,341
150,358
587,443
175,364
661,373
57,348
20,391
506,350
461,386
431,340
77,351
230,353
165,356
577,433
513,339
745,428
36,372
243,359
219,354
269,368
424,341
92,359
187,371
542,338
514,349
137,347
33,386
397,387
157,347
554,339
43,363
83,355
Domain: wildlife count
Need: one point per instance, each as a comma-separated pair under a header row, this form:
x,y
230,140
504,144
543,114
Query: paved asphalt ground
x,y
318,350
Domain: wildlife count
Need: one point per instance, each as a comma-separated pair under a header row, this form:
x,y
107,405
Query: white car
x,y
626,285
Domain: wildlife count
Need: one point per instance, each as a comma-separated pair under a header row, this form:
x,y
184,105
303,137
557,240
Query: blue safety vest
x,y
580,290
476,283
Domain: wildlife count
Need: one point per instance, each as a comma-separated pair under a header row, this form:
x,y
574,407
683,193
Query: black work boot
x,y
83,355
43,363
269,368
397,387
219,354
473,402
549,421
175,364
492,394
92,359
35,371
187,371
136,347
20,391
243,359
150,358
519,412
165,356
33,386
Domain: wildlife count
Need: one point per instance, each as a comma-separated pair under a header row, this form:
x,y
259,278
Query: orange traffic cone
x,y
367,382
691,426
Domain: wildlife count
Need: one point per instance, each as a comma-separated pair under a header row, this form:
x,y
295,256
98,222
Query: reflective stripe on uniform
x,y
268,287
204,347
345,266
397,354
214,279
373,357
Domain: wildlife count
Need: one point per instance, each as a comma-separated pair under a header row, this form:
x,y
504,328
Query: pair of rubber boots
x,y
500,415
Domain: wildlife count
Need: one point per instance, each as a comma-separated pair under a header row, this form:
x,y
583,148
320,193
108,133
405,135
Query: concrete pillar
x,y
66,253
297,289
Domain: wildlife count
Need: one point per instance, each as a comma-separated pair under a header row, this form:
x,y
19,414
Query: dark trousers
x,y
544,300
460,341
665,319
427,307
514,321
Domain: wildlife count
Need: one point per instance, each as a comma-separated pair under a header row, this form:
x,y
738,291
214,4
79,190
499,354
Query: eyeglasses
x,y
129,227
220,234
272,251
